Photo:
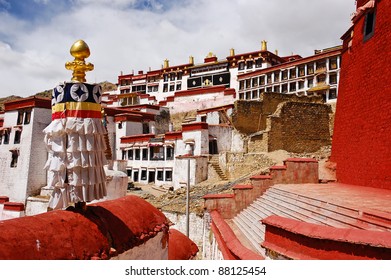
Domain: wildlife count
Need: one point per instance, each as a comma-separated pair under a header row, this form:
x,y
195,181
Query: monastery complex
x,y
181,126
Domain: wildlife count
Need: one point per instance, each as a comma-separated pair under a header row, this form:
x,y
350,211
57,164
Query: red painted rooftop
x,y
371,200
180,246
120,224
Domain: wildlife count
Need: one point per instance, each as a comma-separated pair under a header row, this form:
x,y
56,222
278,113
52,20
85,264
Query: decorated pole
x,y
75,137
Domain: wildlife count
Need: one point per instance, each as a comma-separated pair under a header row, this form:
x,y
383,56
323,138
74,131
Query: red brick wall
x,y
362,134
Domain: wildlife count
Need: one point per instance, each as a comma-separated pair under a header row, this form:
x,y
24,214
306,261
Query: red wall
x,y
362,134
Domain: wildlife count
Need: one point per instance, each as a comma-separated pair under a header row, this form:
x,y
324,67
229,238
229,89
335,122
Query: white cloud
x,y
123,36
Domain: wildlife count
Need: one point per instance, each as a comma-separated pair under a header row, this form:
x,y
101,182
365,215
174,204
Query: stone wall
x,y
239,164
283,122
299,127
258,111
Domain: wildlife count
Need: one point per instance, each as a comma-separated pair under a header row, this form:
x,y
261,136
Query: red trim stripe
x,y
77,114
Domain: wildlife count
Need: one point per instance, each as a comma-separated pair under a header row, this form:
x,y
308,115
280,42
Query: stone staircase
x,y
214,162
282,202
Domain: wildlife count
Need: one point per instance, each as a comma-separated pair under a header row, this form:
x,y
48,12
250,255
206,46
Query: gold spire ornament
x,y
80,51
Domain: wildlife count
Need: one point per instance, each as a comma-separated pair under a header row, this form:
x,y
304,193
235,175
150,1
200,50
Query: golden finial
x,y
264,46
80,51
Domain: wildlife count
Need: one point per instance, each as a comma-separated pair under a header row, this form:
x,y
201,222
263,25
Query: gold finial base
x,y
80,51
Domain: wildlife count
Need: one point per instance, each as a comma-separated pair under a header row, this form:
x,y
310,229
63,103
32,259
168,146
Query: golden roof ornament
x,y
80,51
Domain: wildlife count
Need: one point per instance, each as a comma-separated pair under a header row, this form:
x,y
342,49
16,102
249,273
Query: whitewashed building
x,y
22,150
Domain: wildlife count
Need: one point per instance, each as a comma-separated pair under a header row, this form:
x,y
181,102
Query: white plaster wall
x,y
111,130
198,171
155,248
199,102
36,205
201,141
196,226
7,215
28,176
223,135
40,119
128,129
238,143
116,184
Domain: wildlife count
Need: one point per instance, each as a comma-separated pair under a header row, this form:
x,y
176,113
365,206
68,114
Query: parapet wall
x,y
106,230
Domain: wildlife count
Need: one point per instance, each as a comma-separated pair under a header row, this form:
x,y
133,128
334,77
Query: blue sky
x,y
126,35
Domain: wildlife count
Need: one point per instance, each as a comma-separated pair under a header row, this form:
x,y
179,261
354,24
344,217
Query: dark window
x,y
292,86
172,77
250,64
145,154
241,84
165,77
14,158
292,73
262,80
276,89
151,176
165,87
285,74
284,88
301,84
178,86
18,134
6,136
157,153
170,153
258,63
310,82
241,95
333,79
144,174
123,154
310,69
20,117
179,77
168,175
269,78
129,172
137,154
301,71
248,83
135,175
145,128
369,26
172,87
130,154
276,76
333,93
27,116
160,175
320,65
255,82
333,63
241,65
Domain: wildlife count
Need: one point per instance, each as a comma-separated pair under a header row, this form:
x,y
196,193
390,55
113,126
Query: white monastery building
x,y
143,143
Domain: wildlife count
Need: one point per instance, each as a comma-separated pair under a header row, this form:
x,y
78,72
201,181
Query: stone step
x,y
303,214
310,210
244,229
